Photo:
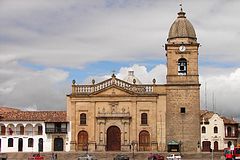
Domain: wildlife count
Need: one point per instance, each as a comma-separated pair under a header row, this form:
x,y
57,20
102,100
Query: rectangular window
x,y
183,110
10,142
144,119
83,119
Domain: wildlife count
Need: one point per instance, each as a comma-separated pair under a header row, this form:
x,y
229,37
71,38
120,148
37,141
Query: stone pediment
x,y
113,91
112,86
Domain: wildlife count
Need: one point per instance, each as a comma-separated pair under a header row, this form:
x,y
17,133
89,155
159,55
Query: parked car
x,y
87,157
36,157
121,157
155,156
228,154
174,157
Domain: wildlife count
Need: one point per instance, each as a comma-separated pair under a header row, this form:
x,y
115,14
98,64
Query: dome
x,y
131,78
182,28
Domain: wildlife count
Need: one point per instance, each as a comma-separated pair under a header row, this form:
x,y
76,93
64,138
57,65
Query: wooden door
x,y
3,130
215,146
20,144
206,146
40,145
83,141
113,139
21,130
144,141
39,130
58,144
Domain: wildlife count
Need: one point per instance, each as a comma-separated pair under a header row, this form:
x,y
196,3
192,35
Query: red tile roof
x,y
208,114
46,116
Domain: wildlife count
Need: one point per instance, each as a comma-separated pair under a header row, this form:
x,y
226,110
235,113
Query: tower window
x,y
182,66
183,110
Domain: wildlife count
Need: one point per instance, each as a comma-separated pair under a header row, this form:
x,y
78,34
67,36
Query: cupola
x,y
182,29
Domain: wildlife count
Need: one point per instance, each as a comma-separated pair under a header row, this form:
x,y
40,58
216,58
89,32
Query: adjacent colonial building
x,y
33,131
217,132
120,115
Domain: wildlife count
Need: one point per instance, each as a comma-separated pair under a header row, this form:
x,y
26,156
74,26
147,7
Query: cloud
x,y
146,76
60,36
222,92
23,87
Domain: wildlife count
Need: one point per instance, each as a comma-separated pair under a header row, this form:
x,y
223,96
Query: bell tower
x,y
183,100
182,52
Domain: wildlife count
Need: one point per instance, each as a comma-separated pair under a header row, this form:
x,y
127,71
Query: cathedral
x,y
126,115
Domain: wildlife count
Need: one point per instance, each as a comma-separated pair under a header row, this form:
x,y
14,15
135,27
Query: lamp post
x,y
133,147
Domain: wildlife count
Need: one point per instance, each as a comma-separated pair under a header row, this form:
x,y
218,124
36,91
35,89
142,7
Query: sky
x,y
44,45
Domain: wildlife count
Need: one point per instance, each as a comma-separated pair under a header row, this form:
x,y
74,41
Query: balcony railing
x,y
231,136
56,130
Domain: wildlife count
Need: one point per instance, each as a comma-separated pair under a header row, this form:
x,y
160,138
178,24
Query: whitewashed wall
x,y
4,138
217,121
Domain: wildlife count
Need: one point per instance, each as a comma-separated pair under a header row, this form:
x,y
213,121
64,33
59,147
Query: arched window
x,y
10,142
182,66
30,142
215,129
144,118
83,118
203,129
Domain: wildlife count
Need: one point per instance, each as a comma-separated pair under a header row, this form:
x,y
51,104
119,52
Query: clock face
x,y
182,48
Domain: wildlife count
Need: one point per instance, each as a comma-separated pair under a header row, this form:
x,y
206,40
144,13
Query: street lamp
x,y
133,147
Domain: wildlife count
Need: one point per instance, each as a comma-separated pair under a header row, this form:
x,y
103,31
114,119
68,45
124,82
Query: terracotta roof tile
x,y
228,120
46,116
208,114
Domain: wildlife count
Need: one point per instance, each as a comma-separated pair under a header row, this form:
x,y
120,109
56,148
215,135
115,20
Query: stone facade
x,y
118,115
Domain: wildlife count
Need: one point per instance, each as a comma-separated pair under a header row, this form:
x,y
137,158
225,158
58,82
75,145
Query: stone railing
x,y
87,89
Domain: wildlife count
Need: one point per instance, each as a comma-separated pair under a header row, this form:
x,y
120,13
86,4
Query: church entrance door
x,y
83,141
144,141
113,139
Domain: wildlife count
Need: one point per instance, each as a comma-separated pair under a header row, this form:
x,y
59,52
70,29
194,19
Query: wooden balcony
x,y
56,130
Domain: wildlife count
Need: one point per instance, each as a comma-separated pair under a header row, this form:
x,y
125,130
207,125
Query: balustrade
x,y
87,89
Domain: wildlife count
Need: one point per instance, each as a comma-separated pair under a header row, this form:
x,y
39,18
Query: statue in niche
x,y
123,110
103,110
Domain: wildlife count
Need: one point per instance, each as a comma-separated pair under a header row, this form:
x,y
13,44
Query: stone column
x,y
73,142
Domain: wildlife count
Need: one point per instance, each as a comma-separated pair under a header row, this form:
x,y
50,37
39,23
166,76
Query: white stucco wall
x,y
25,137
214,121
